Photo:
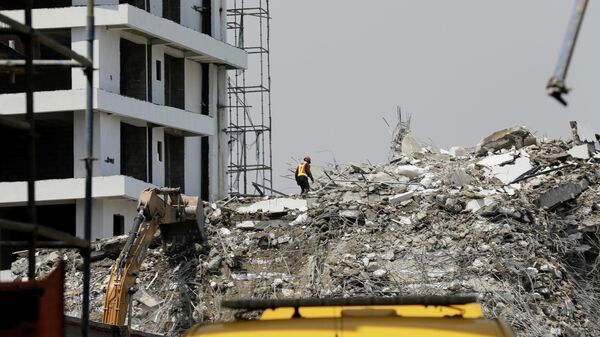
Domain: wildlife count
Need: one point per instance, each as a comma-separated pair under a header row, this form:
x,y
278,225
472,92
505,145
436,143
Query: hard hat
x,y
307,159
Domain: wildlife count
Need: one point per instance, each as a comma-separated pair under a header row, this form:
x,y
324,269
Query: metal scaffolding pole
x,y
249,94
29,36
89,159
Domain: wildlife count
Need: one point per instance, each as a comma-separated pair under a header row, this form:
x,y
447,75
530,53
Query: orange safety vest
x,y
302,170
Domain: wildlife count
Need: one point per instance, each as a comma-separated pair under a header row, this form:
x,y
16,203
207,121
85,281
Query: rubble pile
x,y
515,221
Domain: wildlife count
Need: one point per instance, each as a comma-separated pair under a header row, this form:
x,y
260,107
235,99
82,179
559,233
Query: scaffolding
x,y
23,63
249,101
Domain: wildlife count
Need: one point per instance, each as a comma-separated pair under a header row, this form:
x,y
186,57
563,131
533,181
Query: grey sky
x,y
462,68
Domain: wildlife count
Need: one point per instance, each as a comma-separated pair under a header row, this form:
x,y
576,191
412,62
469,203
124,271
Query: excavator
x,y
181,223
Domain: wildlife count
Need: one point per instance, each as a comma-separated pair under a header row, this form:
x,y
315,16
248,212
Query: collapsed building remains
x,y
515,221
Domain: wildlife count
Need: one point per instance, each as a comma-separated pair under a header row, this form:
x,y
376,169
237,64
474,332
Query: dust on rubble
x,y
514,220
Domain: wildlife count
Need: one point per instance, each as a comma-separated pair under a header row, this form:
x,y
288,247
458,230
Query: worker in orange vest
x,y
302,175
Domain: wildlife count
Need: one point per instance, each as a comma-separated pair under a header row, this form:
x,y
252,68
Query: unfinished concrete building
x,y
159,109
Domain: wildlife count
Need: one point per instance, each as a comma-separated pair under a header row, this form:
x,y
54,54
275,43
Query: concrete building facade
x,y
159,109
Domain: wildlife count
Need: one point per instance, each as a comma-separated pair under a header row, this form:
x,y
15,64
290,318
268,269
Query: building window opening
x,y
133,69
52,78
134,152
118,224
158,71
172,10
174,161
205,106
159,151
137,3
54,144
174,82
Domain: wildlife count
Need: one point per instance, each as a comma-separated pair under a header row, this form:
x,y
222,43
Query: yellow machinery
x,y
181,224
443,316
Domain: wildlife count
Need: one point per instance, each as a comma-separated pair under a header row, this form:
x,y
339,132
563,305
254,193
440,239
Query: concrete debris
x,y
581,151
300,219
435,225
497,160
565,192
508,166
246,225
516,136
410,145
457,151
350,213
509,172
145,298
410,171
458,178
279,205
360,167
6,276
398,198
224,231
474,205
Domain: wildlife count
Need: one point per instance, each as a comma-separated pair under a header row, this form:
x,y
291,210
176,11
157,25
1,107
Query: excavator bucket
x,y
183,223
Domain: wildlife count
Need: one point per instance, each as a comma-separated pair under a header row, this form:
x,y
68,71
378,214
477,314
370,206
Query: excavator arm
x,y
556,86
172,211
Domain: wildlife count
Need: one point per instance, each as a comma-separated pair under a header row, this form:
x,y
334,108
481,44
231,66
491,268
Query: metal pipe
x,y
39,244
556,86
46,41
43,231
89,139
62,63
29,116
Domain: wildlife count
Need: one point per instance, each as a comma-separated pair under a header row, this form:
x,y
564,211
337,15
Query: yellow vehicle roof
x,y
465,320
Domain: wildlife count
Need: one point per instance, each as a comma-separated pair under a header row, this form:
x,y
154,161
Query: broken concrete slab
x,y
497,160
516,136
350,196
580,151
384,177
458,177
361,167
300,219
278,205
146,298
6,276
398,198
565,192
247,225
508,173
410,171
475,205
506,167
350,213
224,231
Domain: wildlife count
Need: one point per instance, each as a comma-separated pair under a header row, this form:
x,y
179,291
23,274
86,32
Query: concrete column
x,y
193,86
158,86
109,153
79,144
156,7
189,16
219,148
220,21
98,230
79,45
192,166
